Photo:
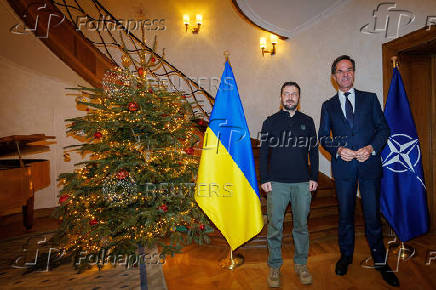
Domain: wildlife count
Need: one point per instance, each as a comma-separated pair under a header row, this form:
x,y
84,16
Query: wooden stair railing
x,y
63,39
91,52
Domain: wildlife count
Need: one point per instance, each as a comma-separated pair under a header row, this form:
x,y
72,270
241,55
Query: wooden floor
x,y
197,268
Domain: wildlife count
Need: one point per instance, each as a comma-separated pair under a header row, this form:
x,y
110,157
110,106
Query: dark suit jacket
x,y
370,128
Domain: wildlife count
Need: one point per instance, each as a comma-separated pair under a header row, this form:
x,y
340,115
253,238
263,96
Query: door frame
x,y
393,48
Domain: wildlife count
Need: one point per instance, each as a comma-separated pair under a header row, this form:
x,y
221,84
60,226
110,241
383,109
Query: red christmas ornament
x,y
150,90
189,151
201,123
164,207
87,109
98,135
93,222
201,227
122,174
63,198
141,72
133,106
153,59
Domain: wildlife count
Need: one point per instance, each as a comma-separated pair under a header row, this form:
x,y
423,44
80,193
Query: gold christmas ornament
x,y
67,157
125,61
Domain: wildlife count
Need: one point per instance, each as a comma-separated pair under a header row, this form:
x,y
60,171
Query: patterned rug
x,y
18,254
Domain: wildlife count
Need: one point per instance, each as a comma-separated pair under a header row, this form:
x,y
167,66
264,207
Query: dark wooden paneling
x,y
432,105
416,71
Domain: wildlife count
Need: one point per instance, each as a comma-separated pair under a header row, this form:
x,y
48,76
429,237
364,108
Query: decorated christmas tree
x,y
136,185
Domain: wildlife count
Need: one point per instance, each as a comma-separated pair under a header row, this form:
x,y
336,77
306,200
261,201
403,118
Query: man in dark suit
x,y
359,131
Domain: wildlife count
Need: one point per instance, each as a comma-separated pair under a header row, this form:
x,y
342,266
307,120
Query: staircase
x,y
323,217
90,57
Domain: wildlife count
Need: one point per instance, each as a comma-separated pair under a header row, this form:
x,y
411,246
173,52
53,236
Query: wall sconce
x,y
263,45
198,20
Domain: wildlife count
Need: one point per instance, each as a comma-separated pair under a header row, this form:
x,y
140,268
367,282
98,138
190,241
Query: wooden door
x,y
417,64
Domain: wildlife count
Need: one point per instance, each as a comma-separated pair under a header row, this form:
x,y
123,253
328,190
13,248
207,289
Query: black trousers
x,y
370,193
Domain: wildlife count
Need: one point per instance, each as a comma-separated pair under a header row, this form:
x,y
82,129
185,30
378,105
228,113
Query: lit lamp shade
x,y
186,19
262,42
274,39
199,19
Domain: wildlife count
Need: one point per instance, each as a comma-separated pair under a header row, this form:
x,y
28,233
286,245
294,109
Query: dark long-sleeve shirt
x,y
286,144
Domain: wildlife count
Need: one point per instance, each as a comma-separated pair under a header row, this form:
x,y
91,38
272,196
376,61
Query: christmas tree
x,y
136,186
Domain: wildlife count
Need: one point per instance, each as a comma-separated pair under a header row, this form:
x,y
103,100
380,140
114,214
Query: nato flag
x,y
403,199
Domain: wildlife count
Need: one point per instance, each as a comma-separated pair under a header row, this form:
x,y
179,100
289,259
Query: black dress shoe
x,y
342,265
389,276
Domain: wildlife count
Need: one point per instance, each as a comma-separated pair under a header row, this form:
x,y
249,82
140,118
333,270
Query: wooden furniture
x,y
20,178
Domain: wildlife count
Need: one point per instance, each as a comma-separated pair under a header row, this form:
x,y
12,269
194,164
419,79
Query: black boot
x,y
342,265
388,275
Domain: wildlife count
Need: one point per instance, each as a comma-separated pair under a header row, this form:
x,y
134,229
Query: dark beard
x,y
290,107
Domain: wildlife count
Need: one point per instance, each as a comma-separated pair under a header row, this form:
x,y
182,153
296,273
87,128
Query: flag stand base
x,y
231,261
403,251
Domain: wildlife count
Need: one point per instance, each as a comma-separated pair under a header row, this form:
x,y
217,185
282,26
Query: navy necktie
x,y
349,110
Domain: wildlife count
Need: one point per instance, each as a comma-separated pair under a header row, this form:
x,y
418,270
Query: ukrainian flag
x,y
227,188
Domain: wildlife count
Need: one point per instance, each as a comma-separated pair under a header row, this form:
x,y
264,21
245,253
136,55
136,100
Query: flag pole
x,y
231,262
226,56
394,60
403,251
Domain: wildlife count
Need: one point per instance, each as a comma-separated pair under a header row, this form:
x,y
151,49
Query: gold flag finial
x,y
226,54
394,60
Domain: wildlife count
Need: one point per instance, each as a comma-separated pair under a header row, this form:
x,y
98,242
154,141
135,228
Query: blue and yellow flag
x,y
227,188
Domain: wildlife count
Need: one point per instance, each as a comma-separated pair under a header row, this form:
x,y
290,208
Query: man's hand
x,y
313,185
346,154
363,153
266,187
